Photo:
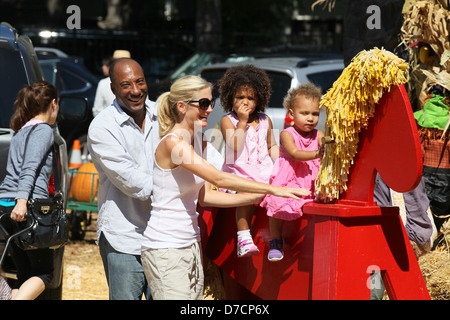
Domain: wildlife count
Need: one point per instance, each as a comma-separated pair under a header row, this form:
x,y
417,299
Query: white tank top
x,y
173,220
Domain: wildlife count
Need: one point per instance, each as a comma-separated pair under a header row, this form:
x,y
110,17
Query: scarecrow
x,y
425,32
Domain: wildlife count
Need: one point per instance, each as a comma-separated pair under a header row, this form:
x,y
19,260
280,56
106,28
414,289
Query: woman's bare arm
x,y
185,156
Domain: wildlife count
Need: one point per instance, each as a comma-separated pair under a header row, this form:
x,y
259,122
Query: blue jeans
x,y
124,273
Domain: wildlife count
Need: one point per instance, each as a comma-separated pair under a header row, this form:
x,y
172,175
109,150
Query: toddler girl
x,y
250,146
298,164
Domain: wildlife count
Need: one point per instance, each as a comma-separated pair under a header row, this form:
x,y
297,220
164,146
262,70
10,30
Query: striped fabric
x,y
436,153
5,290
436,174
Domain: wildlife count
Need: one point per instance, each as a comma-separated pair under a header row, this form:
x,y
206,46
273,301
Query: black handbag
x,y
46,219
6,225
49,224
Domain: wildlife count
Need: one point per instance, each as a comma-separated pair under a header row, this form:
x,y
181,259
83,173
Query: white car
x,y
284,73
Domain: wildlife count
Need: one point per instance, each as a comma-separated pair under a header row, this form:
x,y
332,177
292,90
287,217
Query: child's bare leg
x,y
276,226
245,245
244,217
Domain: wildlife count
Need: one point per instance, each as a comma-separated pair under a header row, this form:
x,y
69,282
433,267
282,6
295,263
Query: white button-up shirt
x,y
123,156
104,96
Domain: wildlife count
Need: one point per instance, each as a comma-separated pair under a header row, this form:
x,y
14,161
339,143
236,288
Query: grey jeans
x,y
418,226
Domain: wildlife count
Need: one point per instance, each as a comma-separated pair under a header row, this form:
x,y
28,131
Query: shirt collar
x,y
123,116
151,118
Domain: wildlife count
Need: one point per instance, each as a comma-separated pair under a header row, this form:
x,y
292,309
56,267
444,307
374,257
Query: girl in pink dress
x,y
298,164
250,147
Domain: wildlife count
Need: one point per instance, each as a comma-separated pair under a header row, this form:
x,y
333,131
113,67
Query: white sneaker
x,y
246,248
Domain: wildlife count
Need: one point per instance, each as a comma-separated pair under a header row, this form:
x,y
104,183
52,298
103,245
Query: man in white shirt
x,y
103,96
121,141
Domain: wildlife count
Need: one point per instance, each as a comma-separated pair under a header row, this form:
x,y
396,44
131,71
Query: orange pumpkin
x,y
85,183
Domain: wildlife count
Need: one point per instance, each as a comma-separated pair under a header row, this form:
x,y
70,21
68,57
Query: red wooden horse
x,y
331,252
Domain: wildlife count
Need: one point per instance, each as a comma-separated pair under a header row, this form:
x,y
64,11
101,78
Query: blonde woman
x,y
182,178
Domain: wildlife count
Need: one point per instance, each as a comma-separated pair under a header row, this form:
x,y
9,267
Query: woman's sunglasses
x,y
204,103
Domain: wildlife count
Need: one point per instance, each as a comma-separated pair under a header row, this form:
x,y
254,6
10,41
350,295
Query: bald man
x,y
121,142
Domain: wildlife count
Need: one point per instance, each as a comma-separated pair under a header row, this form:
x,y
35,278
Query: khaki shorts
x,y
174,273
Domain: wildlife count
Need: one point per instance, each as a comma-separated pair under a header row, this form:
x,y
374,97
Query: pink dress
x,y
292,173
253,161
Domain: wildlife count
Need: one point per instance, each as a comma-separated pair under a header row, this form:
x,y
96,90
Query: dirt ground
x,y
84,277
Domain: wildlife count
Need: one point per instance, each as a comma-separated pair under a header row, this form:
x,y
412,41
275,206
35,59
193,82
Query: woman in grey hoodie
x,y
28,173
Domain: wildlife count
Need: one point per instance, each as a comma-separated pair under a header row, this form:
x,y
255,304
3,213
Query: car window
x,y
199,60
324,79
193,64
13,78
281,83
213,76
68,80
49,72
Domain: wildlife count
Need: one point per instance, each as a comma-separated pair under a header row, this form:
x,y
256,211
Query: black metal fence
x,y
157,53
161,52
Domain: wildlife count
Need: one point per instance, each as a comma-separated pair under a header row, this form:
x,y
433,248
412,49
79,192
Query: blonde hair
x,y
308,90
182,89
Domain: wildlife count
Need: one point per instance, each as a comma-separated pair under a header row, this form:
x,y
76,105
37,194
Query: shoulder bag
x,y
46,218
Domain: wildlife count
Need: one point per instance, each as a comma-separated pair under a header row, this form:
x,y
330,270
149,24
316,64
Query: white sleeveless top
x,y
173,220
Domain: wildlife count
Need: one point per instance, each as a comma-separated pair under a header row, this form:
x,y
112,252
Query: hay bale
x,y
435,267
214,289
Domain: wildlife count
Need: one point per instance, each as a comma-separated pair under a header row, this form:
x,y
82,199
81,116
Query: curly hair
x,y
308,90
245,75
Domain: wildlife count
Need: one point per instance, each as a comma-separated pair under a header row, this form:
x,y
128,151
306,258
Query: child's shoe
x,y
276,250
246,248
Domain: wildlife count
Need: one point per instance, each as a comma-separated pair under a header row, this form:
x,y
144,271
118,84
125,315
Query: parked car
x,y
284,73
71,77
191,66
46,51
20,67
